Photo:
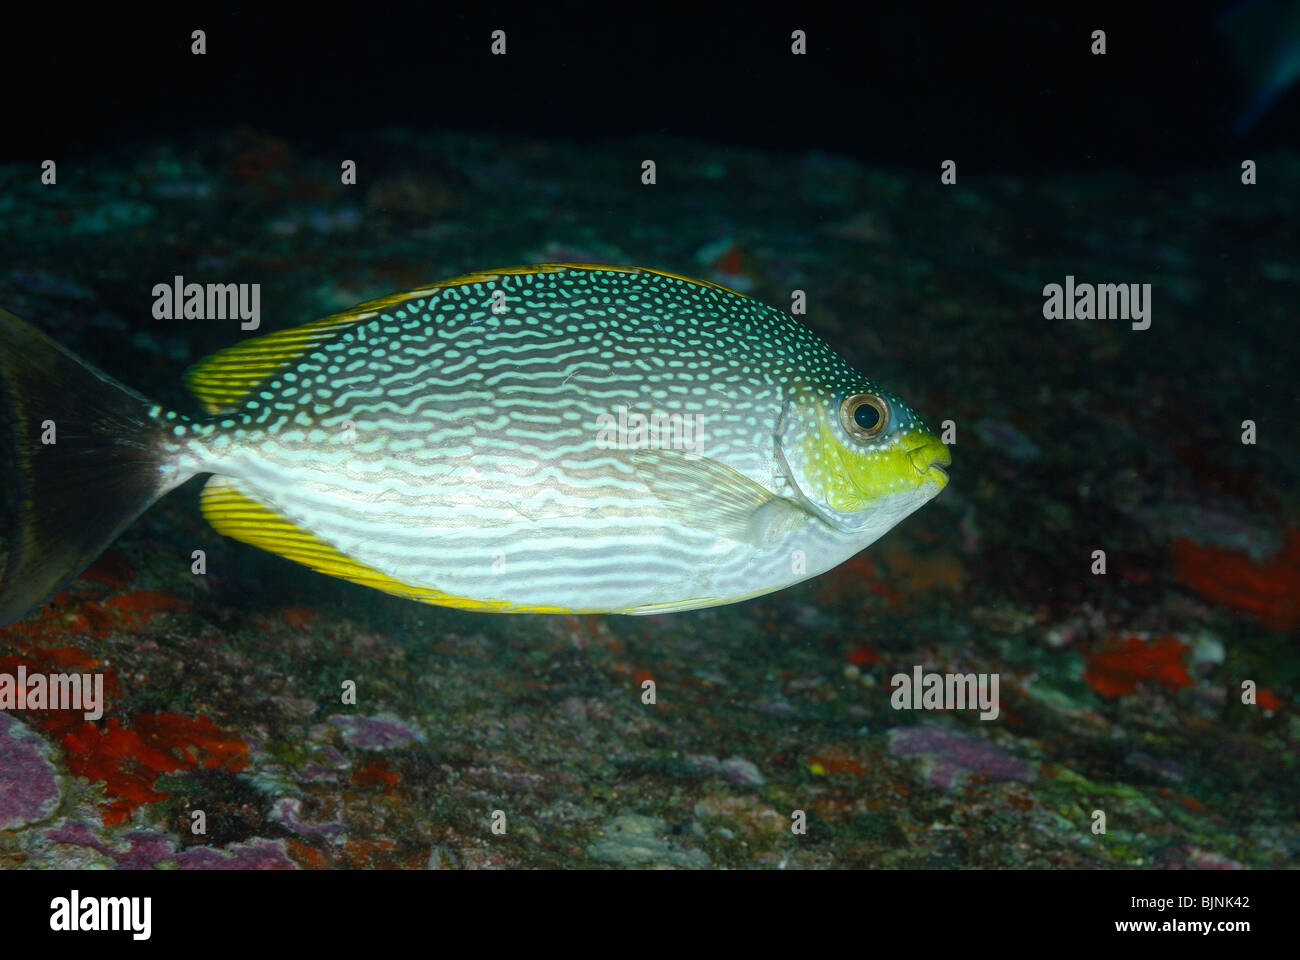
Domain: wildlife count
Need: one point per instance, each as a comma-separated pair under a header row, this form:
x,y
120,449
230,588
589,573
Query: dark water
x,y
1157,698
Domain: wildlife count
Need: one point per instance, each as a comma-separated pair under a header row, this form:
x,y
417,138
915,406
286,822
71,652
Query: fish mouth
x,y
929,460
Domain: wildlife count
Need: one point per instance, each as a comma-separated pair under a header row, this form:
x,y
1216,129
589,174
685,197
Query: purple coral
x,y
374,733
259,854
146,849
29,782
954,754
288,810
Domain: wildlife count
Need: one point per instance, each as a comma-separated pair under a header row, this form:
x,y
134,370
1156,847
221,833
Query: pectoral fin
x,y
709,495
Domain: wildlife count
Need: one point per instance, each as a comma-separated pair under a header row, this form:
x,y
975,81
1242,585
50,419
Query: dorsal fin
x,y
222,379
226,377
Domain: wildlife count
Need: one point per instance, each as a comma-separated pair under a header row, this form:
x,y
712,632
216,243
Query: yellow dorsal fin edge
x,y
226,377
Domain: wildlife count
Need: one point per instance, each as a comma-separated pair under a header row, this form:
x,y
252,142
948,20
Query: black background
x,y
945,911
1007,88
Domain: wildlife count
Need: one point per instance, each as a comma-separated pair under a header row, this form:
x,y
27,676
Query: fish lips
x,y
930,459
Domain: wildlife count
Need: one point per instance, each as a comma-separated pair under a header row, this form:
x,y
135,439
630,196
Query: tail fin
x,y
1265,41
71,497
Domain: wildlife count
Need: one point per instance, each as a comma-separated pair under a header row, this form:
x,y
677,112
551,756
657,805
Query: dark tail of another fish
x,y
83,462
1264,36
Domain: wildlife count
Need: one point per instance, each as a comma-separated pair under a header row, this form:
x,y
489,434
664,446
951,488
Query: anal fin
x,y
234,514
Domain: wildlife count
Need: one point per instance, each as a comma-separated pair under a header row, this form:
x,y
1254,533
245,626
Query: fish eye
x,y
864,415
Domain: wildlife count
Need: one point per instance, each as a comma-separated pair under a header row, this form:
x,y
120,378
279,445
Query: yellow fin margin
x,y
224,378
227,376
233,514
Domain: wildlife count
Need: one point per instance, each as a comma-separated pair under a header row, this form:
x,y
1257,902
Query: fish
x,y
1264,39
551,438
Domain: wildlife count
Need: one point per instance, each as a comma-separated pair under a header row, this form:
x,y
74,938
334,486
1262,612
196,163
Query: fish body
x,y
552,438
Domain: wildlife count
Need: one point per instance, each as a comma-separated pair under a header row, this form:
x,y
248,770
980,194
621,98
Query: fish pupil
x,y
866,416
